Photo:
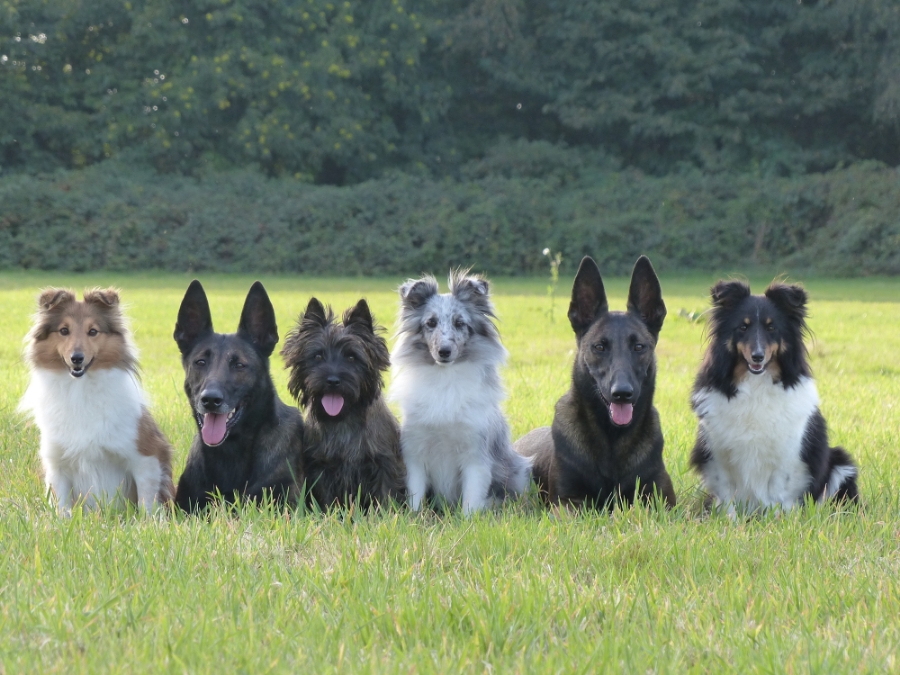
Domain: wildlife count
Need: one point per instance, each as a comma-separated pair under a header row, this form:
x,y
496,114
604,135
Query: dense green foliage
x,y
409,135
337,91
498,219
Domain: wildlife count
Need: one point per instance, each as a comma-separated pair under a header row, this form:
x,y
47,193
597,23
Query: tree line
x,y
338,92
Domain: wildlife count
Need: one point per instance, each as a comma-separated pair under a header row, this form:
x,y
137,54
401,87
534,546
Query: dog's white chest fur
x,y
89,429
755,441
454,437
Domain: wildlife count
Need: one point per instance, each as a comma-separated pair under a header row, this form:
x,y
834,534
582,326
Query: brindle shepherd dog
x,y
249,442
606,438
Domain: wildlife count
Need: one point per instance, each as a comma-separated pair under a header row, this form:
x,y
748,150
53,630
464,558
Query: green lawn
x,y
514,590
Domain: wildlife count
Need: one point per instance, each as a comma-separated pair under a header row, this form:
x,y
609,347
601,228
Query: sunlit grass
x,y
513,590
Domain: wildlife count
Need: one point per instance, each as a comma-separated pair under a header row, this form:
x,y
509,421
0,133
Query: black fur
x,y
261,452
354,455
585,457
774,323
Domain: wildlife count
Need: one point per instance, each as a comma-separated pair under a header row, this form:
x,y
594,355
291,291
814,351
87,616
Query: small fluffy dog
x,y
761,440
351,439
99,443
455,440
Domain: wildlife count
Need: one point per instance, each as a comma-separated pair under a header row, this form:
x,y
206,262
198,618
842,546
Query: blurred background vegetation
x,y
400,136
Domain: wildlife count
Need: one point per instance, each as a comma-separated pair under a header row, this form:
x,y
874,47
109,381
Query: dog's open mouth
x,y
333,404
620,413
756,368
78,371
214,427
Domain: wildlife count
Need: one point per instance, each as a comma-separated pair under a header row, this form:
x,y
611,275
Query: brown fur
x,y
152,443
95,328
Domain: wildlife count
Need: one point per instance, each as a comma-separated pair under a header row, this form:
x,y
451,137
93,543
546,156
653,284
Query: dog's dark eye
x,y
770,327
431,323
599,347
743,328
63,331
240,365
93,332
638,347
351,358
319,357
459,323
200,362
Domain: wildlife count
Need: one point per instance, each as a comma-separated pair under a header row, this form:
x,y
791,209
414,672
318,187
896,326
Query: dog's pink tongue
x,y
621,413
213,430
332,403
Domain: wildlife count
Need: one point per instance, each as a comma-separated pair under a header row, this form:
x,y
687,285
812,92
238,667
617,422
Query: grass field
x,y
515,590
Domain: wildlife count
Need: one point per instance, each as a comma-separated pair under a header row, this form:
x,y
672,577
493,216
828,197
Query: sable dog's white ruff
x,y
89,436
451,422
755,440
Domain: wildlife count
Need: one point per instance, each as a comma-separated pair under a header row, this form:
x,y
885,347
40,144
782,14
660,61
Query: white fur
x,y
89,436
755,440
451,416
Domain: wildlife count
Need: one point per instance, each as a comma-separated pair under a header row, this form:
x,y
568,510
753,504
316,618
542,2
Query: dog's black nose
x,y
622,393
211,399
77,359
758,357
444,352
333,381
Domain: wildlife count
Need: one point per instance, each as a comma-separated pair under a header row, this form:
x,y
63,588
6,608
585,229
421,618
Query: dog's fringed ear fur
x,y
588,297
790,299
727,294
471,289
105,297
258,320
645,296
194,319
51,298
416,292
360,315
316,313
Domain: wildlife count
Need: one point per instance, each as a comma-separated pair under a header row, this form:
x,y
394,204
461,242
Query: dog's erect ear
x,y
790,299
728,294
194,320
104,297
360,316
258,320
416,292
588,297
645,296
50,298
315,312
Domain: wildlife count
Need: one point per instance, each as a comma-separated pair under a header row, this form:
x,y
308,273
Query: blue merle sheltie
x,y
762,441
446,378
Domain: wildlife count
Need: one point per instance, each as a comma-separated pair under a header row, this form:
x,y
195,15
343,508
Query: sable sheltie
x,y
99,443
761,440
454,438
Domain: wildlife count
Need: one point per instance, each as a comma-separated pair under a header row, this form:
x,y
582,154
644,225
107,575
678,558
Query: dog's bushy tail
x,y
842,473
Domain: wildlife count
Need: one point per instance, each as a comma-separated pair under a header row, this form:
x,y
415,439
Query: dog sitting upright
x,y
249,442
761,440
606,436
351,439
99,442
454,437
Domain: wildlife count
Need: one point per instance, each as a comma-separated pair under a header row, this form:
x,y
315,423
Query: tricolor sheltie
x,y
761,440
454,438
99,443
